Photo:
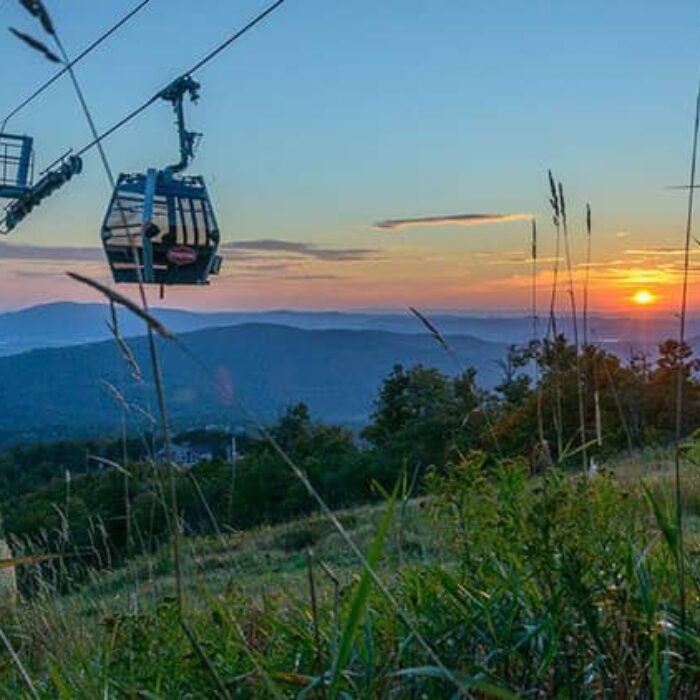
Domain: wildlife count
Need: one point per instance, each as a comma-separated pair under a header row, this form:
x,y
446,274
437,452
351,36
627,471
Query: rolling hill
x,y
61,392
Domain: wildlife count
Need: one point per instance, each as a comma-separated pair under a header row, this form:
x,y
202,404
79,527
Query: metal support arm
x,y
175,93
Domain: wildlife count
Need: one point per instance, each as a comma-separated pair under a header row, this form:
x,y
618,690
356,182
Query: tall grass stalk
x,y
574,320
680,372
206,661
556,220
587,279
335,630
536,336
360,599
18,664
552,322
314,609
586,290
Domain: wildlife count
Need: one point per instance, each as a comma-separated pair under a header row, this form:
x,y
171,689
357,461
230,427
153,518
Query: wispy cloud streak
x,y
454,220
658,251
301,249
261,249
12,251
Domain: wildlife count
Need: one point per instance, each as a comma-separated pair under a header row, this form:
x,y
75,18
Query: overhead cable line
x,y
89,49
197,66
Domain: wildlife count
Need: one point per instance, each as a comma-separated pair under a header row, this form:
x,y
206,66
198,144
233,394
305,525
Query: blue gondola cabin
x,y
161,228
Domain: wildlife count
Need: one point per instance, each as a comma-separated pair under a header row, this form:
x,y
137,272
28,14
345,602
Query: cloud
x,y
455,220
38,274
12,251
497,254
263,271
661,250
511,257
263,267
249,251
602,263
267,246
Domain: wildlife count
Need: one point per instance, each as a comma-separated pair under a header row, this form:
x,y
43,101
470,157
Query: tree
x,y
610,401
514,387
674,357
421,418
267,490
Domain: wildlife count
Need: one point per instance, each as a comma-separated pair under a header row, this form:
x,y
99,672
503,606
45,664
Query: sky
x,y
332,116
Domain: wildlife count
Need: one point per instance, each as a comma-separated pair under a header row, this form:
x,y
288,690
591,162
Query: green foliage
x,y
70,508
422,417
633,405
67,497
360,601
520,586
548,587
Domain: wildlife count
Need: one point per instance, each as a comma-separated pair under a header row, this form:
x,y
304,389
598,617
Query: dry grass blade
x,y
431,328
336,607
126,351
18,663
314,609
588,274
552,322
116,394
36,45
536,337
118,298
206,661
556,219
200,494
562,203
147,415
37,9
440,339
110,463
588,219
554,199
574,319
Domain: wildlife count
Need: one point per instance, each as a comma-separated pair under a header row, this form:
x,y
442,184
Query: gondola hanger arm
x,y
175,94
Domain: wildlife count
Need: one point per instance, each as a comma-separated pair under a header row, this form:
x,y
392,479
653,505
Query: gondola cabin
x,y
161,229
160,226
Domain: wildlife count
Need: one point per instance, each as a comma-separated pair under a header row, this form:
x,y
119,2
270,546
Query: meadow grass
x,y
554,586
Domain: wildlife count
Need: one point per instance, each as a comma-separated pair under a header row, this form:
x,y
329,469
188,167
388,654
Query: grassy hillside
x,y
494,585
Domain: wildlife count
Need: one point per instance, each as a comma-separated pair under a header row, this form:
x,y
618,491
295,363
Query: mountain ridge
x,y
61,392
61,324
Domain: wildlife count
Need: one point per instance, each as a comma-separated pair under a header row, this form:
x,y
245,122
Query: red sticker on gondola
x,y
182,255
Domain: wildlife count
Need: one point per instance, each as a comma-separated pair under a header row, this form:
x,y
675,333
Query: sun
x,y
643,297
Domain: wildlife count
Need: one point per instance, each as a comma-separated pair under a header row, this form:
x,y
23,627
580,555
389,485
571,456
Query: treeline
x,y
66,497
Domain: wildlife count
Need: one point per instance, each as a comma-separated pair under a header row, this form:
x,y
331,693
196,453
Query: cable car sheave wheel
x,y
160,227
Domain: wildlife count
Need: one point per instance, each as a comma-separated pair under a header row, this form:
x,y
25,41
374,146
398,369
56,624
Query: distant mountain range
x,y
62,324
58,360
60,392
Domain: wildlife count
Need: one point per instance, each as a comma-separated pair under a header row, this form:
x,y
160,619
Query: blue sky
x,y
333,115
